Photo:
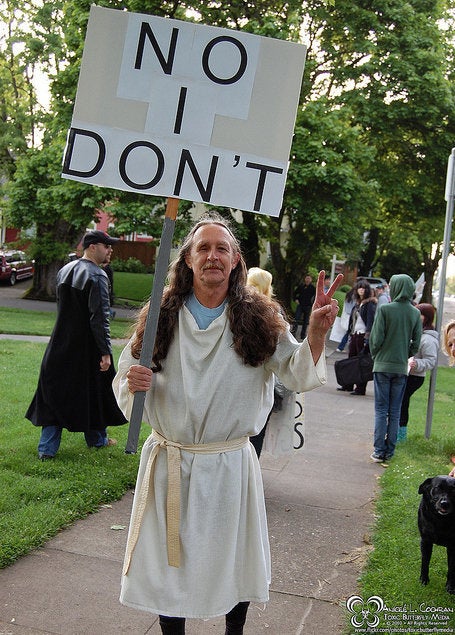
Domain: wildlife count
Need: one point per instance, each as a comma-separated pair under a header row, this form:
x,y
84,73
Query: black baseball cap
x,y
97,236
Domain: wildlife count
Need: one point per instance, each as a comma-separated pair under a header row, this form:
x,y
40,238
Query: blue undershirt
x,y
202,314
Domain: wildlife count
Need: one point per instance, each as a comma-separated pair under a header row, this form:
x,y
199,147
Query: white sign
x,y
183,110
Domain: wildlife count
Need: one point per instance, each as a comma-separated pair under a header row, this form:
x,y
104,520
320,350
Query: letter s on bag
x,y
299,434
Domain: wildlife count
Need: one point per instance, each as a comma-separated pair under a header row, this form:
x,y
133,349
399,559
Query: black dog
x,y
436,520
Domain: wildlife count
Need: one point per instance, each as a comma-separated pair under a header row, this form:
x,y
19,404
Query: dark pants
x,y
302,313
258,440
235,621
413,383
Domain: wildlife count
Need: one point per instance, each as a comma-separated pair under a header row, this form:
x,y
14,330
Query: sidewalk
x,y
320,511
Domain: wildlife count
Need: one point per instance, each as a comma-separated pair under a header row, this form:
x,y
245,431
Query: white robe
x,y
204,394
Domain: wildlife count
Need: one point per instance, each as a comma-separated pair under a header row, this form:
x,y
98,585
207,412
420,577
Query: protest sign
x,y
178,109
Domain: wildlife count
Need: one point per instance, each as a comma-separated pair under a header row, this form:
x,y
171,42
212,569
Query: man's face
x,y
212,257
308,280
102,253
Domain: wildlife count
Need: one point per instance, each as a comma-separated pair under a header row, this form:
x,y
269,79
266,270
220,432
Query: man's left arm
x,y
313,294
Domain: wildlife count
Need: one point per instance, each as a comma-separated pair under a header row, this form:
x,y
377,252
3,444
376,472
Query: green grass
x,y
393,568
18,321
37,498
132,288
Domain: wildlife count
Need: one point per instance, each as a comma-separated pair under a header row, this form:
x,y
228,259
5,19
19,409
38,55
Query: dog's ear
x,y
425,486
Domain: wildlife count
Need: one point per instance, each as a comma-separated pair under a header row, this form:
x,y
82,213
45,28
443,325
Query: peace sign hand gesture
x,y
323,314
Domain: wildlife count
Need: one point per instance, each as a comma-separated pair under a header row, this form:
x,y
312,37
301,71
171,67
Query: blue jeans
x,y
388,394
51,436
344,341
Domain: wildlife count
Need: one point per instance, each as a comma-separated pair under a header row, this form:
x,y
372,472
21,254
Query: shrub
x,y
132,265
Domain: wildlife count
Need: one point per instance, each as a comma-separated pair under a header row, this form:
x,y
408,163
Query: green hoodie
x,y
397,329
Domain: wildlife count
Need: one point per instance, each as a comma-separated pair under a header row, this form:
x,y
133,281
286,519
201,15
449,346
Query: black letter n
x,y
166,65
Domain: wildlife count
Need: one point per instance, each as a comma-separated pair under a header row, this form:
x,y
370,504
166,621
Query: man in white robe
x,y
198,543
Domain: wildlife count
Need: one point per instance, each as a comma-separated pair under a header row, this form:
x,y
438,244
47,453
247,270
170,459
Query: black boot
x,y
172,625
235,619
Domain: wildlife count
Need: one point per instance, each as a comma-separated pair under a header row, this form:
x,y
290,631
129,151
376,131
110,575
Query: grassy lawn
x,y
37,498
393,568
20,322
132,288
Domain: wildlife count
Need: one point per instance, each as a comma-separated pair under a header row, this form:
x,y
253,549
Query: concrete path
x,y
320,512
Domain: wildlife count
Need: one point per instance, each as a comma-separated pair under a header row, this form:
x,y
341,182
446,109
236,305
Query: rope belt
x,y
173,491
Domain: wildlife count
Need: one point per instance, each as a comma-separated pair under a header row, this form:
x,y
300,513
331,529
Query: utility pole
x,y
449,196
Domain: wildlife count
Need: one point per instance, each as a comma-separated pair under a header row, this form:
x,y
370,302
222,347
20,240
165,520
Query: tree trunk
x,y
250,244
44,282
429,269
282,282
369,253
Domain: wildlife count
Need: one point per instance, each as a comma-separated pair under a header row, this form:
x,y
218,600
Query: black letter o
x,y
124,157
243,60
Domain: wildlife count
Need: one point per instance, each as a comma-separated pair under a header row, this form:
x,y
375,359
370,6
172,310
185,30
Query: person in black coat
x,y
304,294
75,382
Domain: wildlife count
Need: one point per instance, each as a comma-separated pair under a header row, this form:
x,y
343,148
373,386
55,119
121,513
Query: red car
x,y
14,266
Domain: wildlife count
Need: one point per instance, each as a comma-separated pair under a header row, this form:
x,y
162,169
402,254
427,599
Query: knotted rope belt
x,y
173,491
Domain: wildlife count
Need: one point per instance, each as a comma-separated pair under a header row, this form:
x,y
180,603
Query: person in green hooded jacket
x,y
394,338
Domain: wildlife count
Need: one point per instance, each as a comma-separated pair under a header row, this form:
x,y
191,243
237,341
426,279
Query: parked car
x,y
14,266
373,282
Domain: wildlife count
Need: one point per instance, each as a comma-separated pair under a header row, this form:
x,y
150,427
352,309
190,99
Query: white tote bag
x,y
337,332
285,432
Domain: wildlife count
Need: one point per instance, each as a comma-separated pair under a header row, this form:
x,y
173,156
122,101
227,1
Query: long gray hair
x,y
255,320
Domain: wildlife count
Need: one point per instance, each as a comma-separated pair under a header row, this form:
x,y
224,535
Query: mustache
x,y
205,267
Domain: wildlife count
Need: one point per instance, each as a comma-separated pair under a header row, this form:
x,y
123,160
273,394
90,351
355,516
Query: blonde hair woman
x,y
449,341
261,280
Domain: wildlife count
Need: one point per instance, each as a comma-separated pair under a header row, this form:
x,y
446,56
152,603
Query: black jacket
x,y
72,392
305,294
367,312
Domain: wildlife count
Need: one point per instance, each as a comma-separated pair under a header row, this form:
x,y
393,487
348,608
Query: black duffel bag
x,y
354,370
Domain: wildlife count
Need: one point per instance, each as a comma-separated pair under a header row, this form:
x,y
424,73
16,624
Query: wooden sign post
x,y
151,324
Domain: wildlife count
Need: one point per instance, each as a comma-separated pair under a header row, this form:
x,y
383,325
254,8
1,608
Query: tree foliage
x,y
368,160
392,64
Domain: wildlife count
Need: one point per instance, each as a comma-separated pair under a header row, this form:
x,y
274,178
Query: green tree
x,y
62,209
370,143
327,192
19,114
392,64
